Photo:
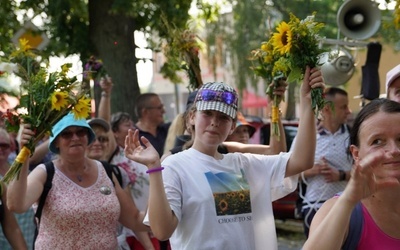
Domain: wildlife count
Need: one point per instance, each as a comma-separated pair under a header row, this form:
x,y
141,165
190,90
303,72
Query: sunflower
x,y
81,110
223,205
59,100
44,98
282,40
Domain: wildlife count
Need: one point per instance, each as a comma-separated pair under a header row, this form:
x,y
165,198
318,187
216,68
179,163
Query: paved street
x,y
290,234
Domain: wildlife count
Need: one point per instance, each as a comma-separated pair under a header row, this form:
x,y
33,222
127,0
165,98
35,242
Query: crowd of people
x,y
197,183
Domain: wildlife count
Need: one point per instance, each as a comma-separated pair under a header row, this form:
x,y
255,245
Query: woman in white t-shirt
x,y
206,200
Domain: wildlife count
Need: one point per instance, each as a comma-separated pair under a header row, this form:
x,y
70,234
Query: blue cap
x,y
68,121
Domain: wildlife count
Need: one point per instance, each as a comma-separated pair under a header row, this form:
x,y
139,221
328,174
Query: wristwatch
x,y
342,175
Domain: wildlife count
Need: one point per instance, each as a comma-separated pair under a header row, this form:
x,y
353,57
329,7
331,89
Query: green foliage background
x,y
105,29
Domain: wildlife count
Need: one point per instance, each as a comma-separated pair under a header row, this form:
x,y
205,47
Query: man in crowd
x,y
150,112
332,163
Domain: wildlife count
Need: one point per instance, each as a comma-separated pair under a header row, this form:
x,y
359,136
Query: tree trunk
x,y
112,36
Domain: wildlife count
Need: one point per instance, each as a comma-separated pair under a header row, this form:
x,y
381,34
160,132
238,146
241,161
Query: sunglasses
x,y
219,96
4,146
69,134
101,139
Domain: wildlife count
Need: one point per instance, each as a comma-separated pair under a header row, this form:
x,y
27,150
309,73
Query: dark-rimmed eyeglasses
x,y
4,146
219,96
101,139
68,134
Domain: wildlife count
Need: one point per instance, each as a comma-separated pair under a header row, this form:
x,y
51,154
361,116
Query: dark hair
x,y
331,92
118,118
375,106
190,100
143,101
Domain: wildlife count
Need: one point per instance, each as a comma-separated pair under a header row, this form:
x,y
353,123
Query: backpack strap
x,y
117,173
46,188
110,169
113,154
355,228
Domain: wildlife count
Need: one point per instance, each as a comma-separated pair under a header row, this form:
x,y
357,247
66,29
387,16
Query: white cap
x,y
392,75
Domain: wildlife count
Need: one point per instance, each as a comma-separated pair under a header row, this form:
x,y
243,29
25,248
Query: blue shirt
x,y
157,141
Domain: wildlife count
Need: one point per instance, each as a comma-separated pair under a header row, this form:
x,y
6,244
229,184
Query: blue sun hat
x,y
68,121
217,96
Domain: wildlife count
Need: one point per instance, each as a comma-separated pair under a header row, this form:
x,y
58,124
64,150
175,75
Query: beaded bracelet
x,y
154,170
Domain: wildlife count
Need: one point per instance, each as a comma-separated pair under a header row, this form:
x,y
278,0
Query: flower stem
x,y
15,169
317,100
275,117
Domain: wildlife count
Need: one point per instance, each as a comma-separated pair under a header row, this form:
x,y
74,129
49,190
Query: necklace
x,y
70,173
80,176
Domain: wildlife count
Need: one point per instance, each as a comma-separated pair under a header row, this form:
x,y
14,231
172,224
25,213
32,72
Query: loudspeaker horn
x,y
337,66
358,19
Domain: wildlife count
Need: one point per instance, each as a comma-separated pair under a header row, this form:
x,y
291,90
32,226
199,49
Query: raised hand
x,y
370,175
312,79
146,155
278,90
106,84
25,135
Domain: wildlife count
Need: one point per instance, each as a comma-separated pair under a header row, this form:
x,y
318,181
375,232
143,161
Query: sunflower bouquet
x,y
287,53
44,99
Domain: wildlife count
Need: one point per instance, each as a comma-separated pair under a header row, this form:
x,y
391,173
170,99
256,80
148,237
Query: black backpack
x,y
110,169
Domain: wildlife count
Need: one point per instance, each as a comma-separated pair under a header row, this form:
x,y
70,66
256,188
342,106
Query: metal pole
x,y
344,43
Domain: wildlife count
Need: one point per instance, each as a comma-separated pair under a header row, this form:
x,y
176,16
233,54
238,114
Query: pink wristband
x,y
154,170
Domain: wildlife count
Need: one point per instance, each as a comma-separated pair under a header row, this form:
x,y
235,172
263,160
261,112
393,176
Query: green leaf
x,y
295,75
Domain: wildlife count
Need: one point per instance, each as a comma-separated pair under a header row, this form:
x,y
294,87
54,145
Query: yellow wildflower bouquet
x,y
182,52
45,98
285,55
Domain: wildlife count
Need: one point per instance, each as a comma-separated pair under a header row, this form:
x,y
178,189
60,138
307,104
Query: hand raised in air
x,y
134,150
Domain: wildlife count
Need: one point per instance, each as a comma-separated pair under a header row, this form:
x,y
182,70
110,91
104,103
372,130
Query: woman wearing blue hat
x,y
83,206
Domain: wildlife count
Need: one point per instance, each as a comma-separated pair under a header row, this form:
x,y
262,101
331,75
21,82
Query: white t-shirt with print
x,y
225,204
